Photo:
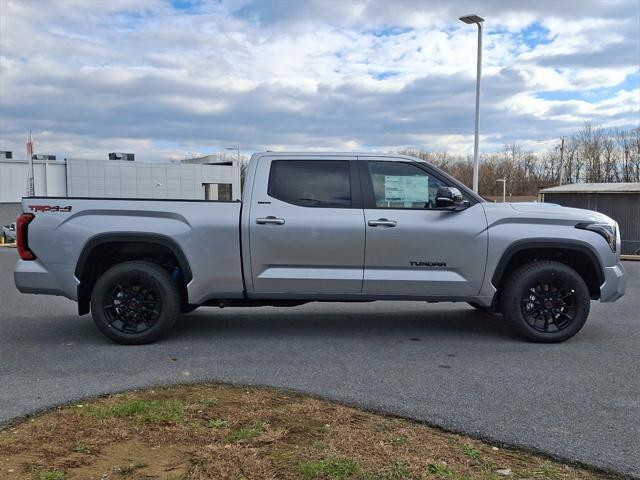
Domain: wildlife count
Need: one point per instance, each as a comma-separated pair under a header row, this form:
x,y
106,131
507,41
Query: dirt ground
x,y
221,432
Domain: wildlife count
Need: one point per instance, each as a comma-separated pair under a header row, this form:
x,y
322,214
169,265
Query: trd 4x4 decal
x,y
49,208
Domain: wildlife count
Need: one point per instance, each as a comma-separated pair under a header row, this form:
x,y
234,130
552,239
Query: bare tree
x,y
592,154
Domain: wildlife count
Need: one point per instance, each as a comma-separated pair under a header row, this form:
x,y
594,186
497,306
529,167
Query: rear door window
x,y
311,183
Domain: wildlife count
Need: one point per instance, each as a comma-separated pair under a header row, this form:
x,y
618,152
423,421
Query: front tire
x,y
135,302
546,301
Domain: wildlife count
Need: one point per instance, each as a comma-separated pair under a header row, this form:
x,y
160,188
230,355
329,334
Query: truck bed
x,y
206,232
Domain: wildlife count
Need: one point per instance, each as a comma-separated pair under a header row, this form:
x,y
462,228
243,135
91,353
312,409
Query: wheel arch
x,y
96,245
577,255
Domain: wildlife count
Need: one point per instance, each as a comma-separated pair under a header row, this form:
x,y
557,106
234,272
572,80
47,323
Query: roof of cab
x,y
325,155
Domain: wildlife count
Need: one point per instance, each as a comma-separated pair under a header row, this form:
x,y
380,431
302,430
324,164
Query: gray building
x,y
620,201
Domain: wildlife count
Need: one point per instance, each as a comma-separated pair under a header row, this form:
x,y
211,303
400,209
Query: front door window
x,y
402,185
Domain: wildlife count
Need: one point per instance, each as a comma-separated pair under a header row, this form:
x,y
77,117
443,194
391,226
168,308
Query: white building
x,y
115,179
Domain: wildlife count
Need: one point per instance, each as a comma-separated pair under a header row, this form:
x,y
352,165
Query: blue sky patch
x,y
594,95
384,75
391,31
534,35
184,4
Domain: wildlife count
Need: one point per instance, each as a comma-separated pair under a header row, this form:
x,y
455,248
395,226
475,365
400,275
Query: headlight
x,y
607,231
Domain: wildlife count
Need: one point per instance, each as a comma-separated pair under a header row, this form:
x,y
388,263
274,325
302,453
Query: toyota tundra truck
x,y
335,227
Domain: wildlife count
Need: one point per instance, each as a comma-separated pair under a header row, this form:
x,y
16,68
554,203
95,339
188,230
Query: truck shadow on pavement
x,y
270,322
210,323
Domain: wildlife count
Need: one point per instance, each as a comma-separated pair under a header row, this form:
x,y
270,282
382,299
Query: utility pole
x,y
562,161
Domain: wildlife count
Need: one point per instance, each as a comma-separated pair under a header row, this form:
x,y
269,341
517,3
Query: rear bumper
x,y
615,283
33,277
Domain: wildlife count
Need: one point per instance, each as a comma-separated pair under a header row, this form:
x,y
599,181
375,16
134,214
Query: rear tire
x,y
546,301
135,302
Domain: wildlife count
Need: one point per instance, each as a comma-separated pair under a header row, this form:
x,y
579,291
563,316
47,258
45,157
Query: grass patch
x,y
154,411
51,475
488,465
440,469
42,474
217,423
398,471
248,432
201,432
319,445
82,449
332,468
470,451
547,471
209,401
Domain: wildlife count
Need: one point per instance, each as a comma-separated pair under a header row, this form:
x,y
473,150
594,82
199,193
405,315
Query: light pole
x,y
238,166
562,161
504,188
469,19
237,149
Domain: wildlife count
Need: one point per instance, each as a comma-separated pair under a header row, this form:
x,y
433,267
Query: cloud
x,y
90,77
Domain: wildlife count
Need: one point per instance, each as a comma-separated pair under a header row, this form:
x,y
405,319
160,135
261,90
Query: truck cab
x,y
338,226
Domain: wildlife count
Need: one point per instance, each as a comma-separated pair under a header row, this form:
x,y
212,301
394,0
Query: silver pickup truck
x,y
337,227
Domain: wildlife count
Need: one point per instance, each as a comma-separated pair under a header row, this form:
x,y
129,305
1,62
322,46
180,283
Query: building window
x,y
217,191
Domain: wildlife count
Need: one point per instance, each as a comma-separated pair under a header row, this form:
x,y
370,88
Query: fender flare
x,y
547,243
104,238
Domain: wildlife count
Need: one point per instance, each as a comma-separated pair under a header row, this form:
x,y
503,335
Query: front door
x,y
307,231
413,248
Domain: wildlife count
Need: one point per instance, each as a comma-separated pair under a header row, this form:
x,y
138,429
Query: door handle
x,y
382,222
270,220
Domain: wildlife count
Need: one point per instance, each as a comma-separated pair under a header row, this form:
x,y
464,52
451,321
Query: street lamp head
x,y
469,19
232,148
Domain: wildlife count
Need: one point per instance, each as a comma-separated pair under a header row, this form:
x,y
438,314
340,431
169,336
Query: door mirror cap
x,y
450,198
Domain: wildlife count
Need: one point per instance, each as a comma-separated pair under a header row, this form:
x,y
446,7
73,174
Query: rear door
x,y
413,248
306,231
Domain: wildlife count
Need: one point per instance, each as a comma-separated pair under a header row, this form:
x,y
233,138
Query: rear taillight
x,y
22,236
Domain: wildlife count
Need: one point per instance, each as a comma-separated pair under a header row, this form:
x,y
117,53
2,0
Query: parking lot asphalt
x,y
444,364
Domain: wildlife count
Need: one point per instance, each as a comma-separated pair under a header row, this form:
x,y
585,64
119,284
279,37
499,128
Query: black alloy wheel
x,y
545,301
549,305
135,302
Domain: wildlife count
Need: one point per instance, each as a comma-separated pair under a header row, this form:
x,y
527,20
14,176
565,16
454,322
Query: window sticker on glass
x,y
400,185
408,190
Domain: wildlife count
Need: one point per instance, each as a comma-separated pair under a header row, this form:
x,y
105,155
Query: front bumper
x,y
33,277
615,283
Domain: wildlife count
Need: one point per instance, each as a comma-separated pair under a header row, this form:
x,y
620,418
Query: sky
x,y
173,78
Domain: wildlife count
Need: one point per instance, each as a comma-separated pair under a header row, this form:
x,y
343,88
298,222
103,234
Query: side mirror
x,y
450,197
